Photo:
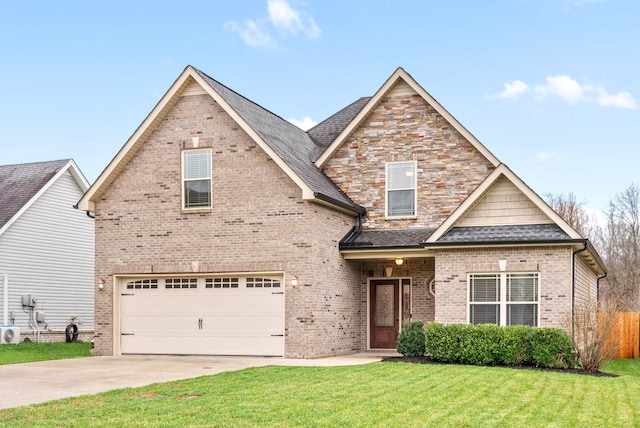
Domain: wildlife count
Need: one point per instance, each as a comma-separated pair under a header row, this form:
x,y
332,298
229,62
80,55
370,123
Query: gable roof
x,y
22,184
291,148
397,76
502,171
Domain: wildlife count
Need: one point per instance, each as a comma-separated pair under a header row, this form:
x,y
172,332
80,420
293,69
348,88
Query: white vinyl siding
x,y
196,179
49,252
401,189
504,299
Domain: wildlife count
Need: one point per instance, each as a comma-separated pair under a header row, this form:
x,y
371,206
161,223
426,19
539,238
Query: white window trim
x,y
503,295
414,188
182,180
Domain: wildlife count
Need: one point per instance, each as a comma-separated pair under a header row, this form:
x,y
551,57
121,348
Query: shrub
x,y
411,341
490,344
551,347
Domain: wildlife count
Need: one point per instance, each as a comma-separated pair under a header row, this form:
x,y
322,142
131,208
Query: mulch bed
x,y
428,360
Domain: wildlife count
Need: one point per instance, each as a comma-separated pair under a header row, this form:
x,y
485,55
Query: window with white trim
x,y
401,189
504,299
196,178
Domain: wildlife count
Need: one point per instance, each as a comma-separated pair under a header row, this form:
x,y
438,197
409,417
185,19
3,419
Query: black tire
x,y
71,333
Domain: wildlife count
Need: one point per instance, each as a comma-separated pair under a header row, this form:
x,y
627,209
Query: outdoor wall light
x,y
294,281
399,261
101,283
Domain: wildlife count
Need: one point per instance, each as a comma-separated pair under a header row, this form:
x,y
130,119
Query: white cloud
x,y
304,124
562,86
550,156
512,90
292,21
570,90
252,33
621,99
282,17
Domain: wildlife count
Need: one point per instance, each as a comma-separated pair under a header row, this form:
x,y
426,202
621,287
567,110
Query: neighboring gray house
x,y
46,248
223,229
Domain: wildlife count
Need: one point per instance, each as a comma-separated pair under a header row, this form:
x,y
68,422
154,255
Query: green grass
x,y
28,352
373,395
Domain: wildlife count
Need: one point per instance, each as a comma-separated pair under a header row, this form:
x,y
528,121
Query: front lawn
x,y
28,352
372,395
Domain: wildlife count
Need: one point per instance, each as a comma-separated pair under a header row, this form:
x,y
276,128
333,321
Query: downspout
x,y
573,286
598,287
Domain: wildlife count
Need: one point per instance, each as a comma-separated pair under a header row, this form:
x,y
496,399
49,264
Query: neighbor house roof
x,y
292,149
22,184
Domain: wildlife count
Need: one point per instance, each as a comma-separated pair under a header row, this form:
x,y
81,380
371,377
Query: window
x,y
181,283
503,299
401,189
142,284
221,282
196,178
262,283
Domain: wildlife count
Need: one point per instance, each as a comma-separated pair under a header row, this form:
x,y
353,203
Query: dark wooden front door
x,y
384,313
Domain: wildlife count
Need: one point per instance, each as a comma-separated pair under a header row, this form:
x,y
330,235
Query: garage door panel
x,y
217,316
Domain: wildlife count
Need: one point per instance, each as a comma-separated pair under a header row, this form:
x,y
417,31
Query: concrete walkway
x,y
31,383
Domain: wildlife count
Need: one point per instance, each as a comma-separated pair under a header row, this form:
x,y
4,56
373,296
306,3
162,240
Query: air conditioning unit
x,y
9,335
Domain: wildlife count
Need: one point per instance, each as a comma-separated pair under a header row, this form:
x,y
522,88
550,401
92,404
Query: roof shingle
x,y
20,182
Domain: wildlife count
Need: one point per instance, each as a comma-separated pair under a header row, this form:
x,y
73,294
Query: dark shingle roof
x,y
409,238
19,183
294,146
325,132
505,234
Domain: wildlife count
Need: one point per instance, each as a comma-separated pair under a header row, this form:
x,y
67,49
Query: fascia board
x,y
385,253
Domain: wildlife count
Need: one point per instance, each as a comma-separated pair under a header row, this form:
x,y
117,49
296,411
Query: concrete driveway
x,y
31,383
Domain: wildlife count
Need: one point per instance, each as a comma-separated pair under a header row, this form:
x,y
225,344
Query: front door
x,y
384,313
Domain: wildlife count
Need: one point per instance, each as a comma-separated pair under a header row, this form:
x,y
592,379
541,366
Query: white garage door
x,y
202,315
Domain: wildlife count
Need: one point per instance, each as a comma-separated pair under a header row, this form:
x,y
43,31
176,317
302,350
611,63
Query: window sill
x,y
196,210
408,217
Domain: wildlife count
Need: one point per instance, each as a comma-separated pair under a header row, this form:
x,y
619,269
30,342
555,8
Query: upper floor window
x,y
196,178
504,299
401,189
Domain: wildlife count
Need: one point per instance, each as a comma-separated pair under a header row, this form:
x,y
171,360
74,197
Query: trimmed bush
x,y
551,347
489,345
411,341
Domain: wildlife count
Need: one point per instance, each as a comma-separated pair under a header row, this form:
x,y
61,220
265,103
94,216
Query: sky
x,y
550,87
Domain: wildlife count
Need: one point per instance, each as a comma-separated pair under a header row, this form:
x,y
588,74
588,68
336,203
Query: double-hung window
x,y
401,189
504,299
196,178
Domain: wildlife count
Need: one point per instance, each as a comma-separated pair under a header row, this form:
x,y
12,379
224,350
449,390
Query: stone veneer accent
x,y
404,128
258,223
552,263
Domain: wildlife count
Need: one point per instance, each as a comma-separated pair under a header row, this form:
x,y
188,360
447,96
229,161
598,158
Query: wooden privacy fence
x,y
625,335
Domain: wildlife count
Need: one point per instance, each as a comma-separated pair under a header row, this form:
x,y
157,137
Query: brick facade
x,y
552,263
258,223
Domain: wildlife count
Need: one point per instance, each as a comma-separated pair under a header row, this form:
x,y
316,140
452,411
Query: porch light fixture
x,y
294,281
101,284
399,261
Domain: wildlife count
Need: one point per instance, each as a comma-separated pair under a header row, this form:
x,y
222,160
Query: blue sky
x,y
551,87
